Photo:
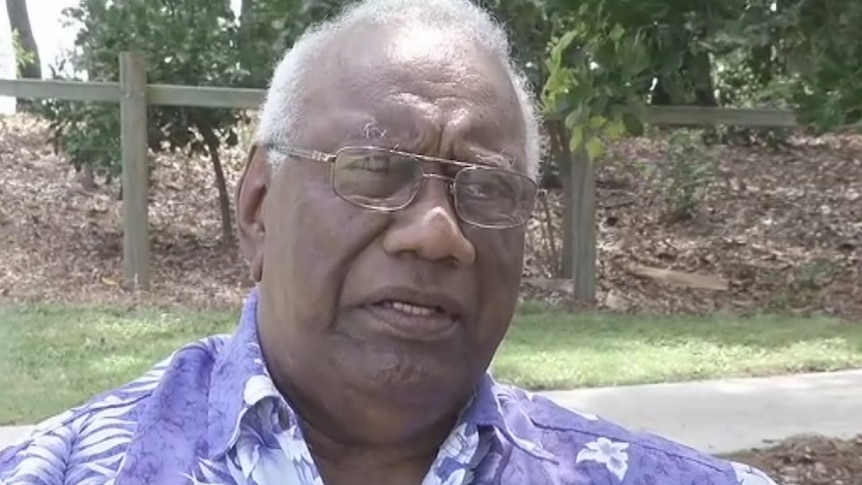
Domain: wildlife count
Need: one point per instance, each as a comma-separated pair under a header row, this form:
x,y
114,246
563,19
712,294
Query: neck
x,y
362,440
405,461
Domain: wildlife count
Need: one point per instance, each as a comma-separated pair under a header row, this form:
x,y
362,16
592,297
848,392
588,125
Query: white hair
x,y
280,113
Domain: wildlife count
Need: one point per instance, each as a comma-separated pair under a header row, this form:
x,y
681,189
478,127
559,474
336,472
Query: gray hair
x,y
279,114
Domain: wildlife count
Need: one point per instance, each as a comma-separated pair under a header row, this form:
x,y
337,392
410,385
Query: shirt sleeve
x,y
39,459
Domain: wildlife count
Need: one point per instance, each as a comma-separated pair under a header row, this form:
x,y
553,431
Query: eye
x,y
377,163
492,186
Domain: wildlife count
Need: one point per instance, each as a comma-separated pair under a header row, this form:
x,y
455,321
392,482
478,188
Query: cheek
x,y
499,265
501,254
311,240
313,243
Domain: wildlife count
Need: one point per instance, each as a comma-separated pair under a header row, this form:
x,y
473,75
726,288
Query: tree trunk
x,y
87,178
20,22
559,137
212,143
704,90
244,9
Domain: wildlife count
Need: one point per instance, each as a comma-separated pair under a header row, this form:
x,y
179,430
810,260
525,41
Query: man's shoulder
x,y
597,445
87,437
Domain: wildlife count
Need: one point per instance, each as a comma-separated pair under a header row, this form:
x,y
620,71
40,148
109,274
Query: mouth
x,y
414,316
412,309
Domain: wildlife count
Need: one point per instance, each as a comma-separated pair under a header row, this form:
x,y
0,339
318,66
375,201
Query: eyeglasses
x,y
388,180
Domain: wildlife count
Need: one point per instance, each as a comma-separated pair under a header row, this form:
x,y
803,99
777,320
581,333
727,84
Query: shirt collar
x,y
494,408
240,380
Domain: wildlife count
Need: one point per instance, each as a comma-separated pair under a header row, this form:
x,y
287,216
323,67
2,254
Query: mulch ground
x,y
774,230
809,461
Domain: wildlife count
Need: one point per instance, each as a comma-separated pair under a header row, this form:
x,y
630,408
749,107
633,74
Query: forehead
x,y
420,88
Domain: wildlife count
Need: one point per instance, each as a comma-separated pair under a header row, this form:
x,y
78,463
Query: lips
x,y
410,300
414,315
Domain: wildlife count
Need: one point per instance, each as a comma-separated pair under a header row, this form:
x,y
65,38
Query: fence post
x,y
133,129
583,227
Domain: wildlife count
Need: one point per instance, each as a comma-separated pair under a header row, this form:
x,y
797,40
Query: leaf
x,y
561,45
616,129
617,33
576,139
109,282
633,125
573,118
597,122
595,148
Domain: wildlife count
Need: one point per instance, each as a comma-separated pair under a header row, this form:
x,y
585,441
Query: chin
x,y
418,378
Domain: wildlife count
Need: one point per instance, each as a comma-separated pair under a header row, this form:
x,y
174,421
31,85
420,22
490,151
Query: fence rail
x,y
246,98
134,95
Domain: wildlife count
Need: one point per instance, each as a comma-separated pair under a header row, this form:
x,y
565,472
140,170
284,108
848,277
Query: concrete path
x,y
734,414
10,434
715,416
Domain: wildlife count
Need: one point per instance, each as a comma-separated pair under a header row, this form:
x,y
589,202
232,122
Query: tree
x,y
596,68
820,45
269,27
29,65
187,42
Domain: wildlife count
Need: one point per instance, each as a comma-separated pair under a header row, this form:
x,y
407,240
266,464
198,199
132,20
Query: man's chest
x,y
292,464
255,459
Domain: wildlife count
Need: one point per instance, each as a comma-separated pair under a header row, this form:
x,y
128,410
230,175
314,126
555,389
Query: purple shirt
x,y
210,414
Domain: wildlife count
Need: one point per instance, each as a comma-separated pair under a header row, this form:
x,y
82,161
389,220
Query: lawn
x,y
54,357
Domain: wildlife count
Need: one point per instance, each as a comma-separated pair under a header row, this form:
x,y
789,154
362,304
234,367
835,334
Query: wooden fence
x,y
134,95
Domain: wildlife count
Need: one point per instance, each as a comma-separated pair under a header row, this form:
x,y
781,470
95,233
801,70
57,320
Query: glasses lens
x,y
375,178
494,197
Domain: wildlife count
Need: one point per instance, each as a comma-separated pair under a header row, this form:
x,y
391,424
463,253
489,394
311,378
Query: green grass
x,y
54,357
547,349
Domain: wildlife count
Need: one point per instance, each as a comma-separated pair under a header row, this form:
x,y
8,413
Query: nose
x,y
429,229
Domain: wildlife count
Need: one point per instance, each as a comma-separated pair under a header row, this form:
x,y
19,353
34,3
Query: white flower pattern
x,y
609,453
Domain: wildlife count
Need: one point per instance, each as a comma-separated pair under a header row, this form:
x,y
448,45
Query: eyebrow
x,y
494,160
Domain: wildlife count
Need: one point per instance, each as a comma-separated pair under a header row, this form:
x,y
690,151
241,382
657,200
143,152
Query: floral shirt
x,y
210,414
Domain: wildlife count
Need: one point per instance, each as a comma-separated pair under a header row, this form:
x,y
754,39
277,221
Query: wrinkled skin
x,y
376,407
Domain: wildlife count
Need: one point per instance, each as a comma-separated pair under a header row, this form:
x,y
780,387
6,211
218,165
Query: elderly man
x,y
382,212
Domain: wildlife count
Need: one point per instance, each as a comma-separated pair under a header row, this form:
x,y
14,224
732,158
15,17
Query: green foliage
x,y
676,36
683,176
23,57
186,42
596,69
824,52
795,53
529,25
739,84
87,133
268,27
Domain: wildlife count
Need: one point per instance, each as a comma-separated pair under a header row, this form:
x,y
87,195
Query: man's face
x,y
333,273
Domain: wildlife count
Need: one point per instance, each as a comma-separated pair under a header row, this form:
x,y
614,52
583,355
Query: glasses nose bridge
x,y
449,181
420,187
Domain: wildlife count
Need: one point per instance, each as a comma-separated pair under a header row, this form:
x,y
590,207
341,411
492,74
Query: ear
x,y
250,195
